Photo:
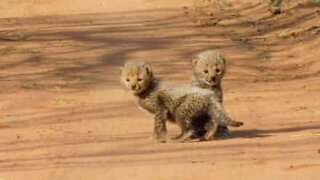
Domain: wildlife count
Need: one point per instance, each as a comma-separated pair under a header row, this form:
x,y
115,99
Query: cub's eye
x,y
218,70
127,80
139,79
206,71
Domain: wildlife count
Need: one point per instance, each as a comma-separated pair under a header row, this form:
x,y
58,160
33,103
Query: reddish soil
x,y
64,115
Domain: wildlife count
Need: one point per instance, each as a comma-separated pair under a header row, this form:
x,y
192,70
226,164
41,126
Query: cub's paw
x,y
207,138
223,132
160,139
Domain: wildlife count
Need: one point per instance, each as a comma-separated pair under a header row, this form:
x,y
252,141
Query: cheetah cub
x,y
208,70
181,104
188,106
137,77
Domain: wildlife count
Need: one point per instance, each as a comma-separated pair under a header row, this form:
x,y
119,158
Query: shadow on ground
x,y
72,52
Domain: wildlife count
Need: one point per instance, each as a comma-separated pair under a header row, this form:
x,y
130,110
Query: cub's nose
x,y
133,86
213,78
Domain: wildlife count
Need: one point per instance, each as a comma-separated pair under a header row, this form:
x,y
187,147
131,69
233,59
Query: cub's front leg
x,y
160,129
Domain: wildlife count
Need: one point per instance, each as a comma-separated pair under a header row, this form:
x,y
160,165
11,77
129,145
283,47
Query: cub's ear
x,y
148,68
194,62
222,59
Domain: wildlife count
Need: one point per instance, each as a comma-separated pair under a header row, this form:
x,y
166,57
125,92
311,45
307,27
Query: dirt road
x,y
64,115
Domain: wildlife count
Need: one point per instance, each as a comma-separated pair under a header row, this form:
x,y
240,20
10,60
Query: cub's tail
x,y
229,122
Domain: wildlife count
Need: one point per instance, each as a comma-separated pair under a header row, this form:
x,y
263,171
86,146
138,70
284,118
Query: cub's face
x,y
136,76
208,70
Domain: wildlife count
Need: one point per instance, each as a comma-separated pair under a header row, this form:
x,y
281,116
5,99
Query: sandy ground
x,y
64,115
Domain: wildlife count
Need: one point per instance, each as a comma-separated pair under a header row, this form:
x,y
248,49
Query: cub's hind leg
x,y
191,106
211,129
215,113
185,135
183,117
185,127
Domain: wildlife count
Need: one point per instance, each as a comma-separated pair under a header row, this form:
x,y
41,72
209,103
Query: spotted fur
x,y
189,107
180,104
